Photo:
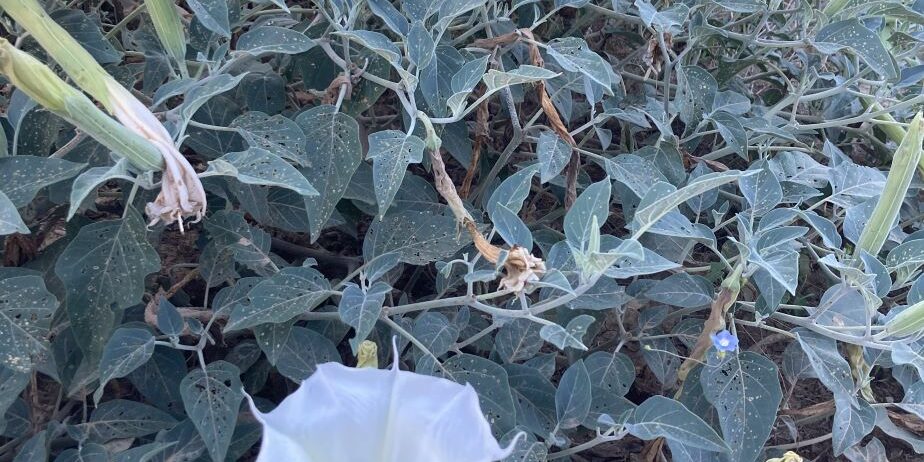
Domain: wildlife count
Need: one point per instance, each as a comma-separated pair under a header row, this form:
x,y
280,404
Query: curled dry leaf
x,y
181,193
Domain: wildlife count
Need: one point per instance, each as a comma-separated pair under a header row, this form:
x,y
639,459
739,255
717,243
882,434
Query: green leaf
x,y
21,177
126,350
298,357
87,32
653,209
91,179
273,39
417,237
10,221
830,367
591,209
420,45
761,189
264,92
12,383
35,449
554,154
682,290
435,331
333,154
496,80
121,418
518,340
391,151
258,166
663,417
276,134
511,228
285,295
360,308
212,398
746,393
158,380
734,134
376,42
572,399
851,33
249,245
574,55
213,14
512,192
571,336
851,424
103,270
207,88
169,319
390,15
490,381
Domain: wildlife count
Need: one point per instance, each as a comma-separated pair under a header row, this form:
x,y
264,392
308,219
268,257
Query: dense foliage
x,y
722,194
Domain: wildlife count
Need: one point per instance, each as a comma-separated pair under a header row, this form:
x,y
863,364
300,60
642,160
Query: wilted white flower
x,y
344,414
522,267
181,193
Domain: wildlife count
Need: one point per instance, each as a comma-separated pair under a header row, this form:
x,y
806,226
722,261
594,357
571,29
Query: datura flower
x,y
181,193
345,414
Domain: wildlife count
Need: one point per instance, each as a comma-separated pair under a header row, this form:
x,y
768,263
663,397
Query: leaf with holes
x,y
276,134
273,39
490,381
285,295
333,153
391,151
417,237
746,393
212,398
21,177
120,418
258,166
103,269
360,308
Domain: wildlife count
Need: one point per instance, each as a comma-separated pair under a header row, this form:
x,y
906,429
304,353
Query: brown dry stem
x,y
521,267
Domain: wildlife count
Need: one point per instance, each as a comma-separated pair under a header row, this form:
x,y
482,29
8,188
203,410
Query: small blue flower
x,y
724,341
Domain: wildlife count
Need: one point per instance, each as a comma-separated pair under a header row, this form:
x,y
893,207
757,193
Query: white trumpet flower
x,y
345,414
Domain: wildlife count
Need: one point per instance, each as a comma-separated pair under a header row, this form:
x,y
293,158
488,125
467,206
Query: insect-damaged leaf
x,y
391,151
103,270
417,237
258,166
26,308
360,308
276,134
285,295
212,398
333,153
746,394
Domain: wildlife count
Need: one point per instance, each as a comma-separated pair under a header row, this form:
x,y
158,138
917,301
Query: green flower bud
x,y
904,161
169,30
908,322
42,85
